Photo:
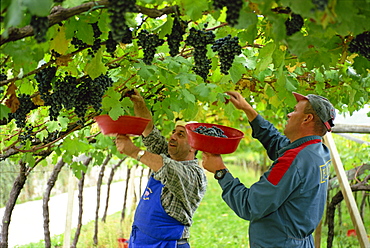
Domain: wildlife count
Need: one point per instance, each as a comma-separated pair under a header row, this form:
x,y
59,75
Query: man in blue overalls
x,y
174,191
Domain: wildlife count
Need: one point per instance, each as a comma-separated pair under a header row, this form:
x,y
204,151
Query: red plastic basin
x,y
123,125
211,144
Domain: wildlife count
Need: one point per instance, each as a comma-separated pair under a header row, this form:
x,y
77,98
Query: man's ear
x,y
308,118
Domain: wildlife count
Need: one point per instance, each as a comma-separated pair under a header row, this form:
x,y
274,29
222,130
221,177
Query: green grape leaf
x,y
194,9
291,84
236,72
116,112
249,35
96,66
145,71
185,78
188,97
60,43
29,158
38,7
4,111
190,111
14,15
75,146
63,122
202,90
52,126
166,28
265,57
246,19
315,59
361,65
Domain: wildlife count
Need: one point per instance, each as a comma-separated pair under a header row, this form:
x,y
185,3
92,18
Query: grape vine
x,y
117,10
40,26
78,44
199,39
227,49
111,44
361,44
293,24
233,9
25,107
71,93
149,43
27,134
174,39
3,76
97,41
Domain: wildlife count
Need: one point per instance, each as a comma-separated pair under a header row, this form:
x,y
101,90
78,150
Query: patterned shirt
x,y
184,182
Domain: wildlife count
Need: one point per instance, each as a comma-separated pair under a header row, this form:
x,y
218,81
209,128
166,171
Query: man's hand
x,y
240,103
125,145
141,110
212,162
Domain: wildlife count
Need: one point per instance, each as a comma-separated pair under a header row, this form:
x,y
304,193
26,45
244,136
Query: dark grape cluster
x,y
293,24
210,131
40,25
149,43
227,49
66,90
361,45
3,76
44,78
71,93
117,10
320,4
91,92
199,39
174,39
25,107
111,44
97,41
78,44
233,9
27,134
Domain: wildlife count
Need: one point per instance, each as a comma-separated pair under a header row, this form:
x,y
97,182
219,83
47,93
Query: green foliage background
x,y
271,66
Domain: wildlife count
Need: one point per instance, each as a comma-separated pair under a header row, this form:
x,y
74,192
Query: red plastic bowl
x,y
211,144
123,125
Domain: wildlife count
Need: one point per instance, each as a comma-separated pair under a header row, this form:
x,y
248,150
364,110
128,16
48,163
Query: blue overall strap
x,y
152,226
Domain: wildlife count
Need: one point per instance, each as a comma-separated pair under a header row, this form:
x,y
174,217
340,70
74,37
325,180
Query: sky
x,y
358,118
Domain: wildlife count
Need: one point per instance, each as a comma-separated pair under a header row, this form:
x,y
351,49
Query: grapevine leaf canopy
x,y
64,62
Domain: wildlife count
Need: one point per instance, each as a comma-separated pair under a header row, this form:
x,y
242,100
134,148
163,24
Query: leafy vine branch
x,y
59,60
58,14
12,149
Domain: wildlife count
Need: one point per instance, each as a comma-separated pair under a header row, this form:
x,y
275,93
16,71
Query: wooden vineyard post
x,y
347,192
68,224
317,238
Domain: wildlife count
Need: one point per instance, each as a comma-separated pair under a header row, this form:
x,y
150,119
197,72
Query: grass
x,y
215,224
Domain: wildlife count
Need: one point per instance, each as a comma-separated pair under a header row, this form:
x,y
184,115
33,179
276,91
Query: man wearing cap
x,y
285,206
174,191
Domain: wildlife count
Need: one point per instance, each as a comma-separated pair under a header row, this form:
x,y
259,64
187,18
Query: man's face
x,y
178,146
295,119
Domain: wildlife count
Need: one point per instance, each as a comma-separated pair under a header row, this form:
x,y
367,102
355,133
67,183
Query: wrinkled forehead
x,y
180,128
